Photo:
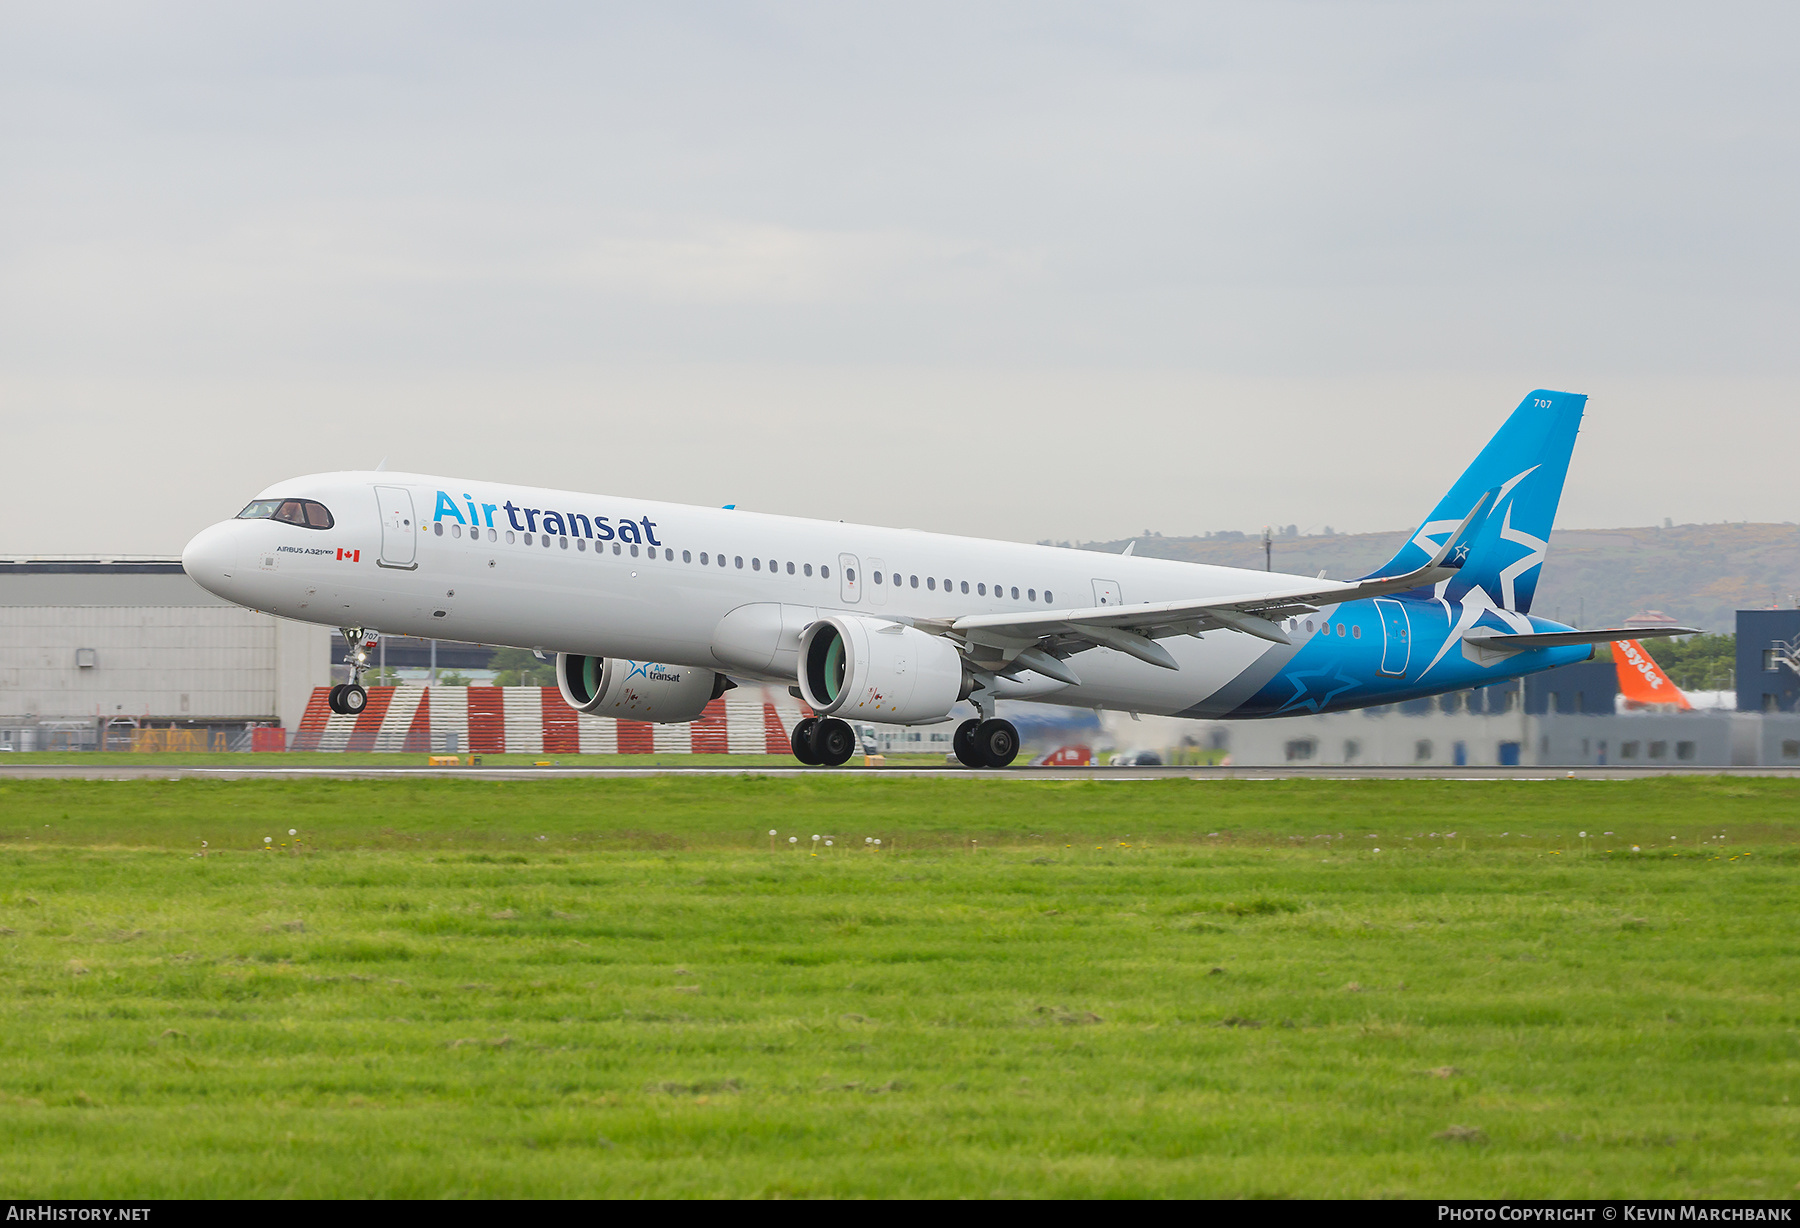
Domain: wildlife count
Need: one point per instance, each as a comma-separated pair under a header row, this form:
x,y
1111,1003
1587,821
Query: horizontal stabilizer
x,y
1499,641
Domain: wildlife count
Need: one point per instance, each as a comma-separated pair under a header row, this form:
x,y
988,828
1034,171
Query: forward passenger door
x,y
399,535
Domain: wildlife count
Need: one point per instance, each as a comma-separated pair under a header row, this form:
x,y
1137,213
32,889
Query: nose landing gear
x,y
349,698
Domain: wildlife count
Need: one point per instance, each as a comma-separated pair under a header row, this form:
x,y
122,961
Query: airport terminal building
x,y
92,650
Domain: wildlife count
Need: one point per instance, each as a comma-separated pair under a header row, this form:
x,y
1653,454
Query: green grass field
x,y
615,987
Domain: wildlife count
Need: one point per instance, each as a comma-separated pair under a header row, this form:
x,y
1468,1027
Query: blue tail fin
x,y
1524,464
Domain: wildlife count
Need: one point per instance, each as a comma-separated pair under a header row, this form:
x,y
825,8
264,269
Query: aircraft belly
x,y
610,615
1111,679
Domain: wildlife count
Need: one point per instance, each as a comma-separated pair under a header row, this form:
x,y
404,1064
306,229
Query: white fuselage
x,y
604,590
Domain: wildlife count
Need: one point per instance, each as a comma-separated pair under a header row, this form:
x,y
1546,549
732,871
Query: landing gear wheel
x,y
998,743
834,742
963,743
349,698
801,741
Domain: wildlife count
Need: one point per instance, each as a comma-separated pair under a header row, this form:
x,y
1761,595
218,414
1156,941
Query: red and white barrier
x,y
535,720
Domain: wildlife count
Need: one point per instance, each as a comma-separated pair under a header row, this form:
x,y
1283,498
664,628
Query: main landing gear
x,y
986,741
830,742
986,744
349,698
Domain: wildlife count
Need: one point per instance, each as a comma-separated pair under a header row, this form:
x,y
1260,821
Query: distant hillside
x,y
1700,574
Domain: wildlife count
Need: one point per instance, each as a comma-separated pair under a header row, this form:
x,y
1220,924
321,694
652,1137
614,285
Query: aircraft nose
x,y
212,556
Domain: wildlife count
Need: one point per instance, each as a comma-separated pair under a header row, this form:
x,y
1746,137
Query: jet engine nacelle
x,y
878,671
637,690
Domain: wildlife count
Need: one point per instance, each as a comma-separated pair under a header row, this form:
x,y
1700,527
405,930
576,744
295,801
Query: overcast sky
x,y
1033,270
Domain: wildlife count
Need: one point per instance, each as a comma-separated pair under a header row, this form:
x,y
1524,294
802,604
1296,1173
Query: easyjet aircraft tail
x,y
1641,680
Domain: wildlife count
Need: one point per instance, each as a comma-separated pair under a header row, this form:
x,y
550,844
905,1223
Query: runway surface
x,y
79,771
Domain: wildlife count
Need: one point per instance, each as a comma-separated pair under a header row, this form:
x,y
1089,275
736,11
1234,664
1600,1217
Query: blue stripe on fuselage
x,y
1343,669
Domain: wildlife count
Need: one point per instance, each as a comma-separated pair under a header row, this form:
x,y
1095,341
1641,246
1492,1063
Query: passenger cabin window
x,y
303,512
1015,594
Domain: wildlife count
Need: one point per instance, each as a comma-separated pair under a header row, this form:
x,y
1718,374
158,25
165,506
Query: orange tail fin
x,y
1641,680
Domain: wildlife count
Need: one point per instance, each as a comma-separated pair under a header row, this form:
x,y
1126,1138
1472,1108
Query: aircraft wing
x,y
1042,641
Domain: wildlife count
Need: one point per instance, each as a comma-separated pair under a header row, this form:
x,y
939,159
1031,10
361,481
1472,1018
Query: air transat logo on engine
x,y
550,523
655,671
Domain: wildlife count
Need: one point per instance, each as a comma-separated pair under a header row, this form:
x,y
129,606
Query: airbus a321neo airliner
x,y
653,608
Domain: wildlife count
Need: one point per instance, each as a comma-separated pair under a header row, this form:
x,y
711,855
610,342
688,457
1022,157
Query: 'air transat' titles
x,y
553,523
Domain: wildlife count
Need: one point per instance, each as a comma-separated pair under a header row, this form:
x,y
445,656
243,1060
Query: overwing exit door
x,y
849,581
1106,592
1396,636
399,535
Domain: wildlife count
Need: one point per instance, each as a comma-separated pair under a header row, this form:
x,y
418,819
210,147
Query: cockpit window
x,y
304,512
